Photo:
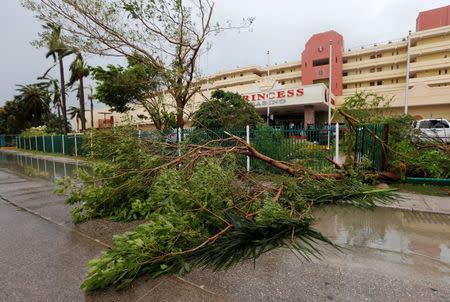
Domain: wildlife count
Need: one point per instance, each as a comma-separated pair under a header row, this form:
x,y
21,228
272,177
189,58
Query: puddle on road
x,y
404,232
37,167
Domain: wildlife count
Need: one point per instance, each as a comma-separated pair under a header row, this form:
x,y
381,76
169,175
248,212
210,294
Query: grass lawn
x,y
423,189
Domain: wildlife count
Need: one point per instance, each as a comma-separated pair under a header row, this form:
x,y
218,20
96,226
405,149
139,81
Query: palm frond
x,y
248,240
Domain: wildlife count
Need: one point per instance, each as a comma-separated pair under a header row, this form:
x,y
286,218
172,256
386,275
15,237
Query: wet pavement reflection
x,y
38,167
406,232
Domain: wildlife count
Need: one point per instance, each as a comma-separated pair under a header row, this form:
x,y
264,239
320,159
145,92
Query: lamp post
x,y
408,56
268,76
330,78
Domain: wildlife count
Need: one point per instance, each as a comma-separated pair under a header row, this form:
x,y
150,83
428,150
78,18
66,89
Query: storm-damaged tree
x,y
58,50
79,70
169,34
138,85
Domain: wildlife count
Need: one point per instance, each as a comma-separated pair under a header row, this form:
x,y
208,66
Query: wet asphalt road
x,y
43,258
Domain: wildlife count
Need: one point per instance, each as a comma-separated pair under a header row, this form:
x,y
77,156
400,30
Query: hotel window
x,y
392,67
372,83
224,78
372,57
283,83
397,66
241,74
396,81
345,60
379,55
344,74
379,83
379,69
372,70
344,86
282,71
321,62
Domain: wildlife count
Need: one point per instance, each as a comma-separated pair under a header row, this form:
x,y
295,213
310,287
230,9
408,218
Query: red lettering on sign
x,y
290,93
246,97
271,95
300,92
281,94
261,96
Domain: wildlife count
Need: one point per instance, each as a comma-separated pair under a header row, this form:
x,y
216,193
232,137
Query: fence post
x,y
76,147
247,130
62,142
53,145
43,143
179,140
35,140
384,148
337,156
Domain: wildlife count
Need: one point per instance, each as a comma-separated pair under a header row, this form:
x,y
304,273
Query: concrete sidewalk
x,y
43,257
421,203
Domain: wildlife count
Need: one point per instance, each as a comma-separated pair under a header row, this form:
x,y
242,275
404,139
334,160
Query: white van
x,y
434,129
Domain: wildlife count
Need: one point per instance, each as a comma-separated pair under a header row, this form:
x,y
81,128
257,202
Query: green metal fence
x,y
8,140
370,143
62,144
306,147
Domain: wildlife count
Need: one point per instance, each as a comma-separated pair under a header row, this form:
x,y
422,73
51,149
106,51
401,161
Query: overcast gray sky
x,y
281,26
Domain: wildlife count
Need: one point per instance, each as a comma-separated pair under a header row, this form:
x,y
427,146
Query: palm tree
x,y
79,70
36,101
58,50
75,113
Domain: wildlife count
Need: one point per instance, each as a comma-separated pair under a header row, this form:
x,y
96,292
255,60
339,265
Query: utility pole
x,y
268,77
408,58
330,91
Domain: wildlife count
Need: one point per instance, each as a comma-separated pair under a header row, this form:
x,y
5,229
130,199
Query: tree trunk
x,y
82,110
180,116
63,96
92,113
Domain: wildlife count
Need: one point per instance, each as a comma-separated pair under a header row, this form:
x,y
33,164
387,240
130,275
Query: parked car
x,y
433,129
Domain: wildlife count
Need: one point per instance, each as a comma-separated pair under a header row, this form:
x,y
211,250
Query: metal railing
x,y
61,144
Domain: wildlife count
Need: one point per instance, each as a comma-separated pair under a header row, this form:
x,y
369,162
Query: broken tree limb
x,y
275,163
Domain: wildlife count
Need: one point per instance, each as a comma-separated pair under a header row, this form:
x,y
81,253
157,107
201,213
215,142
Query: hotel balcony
x,y
434,80
387,88
375,76
235,81
429,48
388,60
376,49
430,65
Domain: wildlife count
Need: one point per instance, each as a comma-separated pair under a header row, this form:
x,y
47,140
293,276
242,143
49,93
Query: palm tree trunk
x,y
63,95
82,110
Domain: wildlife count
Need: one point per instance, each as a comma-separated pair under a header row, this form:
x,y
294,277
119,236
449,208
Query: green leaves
x,y
226,110
202,213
